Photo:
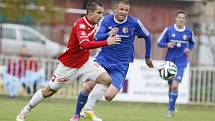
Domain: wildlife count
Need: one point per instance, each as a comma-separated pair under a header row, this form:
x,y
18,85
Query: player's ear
x,y
90,12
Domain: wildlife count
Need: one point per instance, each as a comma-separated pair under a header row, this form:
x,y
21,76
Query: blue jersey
x,y
116,58
124,52
183,38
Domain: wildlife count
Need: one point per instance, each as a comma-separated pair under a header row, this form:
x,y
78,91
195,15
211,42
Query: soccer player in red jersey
x,y
74,63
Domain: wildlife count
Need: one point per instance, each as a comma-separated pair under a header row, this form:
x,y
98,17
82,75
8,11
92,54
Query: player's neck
x,y
180,26
89,19
117,20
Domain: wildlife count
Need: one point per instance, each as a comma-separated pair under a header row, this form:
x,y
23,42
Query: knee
x,y
174,88
108,98
88,86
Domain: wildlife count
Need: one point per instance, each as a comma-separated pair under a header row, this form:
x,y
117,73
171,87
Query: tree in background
x,y
30,11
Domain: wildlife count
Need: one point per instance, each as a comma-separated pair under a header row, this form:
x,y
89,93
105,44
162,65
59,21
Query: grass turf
x,y
61,110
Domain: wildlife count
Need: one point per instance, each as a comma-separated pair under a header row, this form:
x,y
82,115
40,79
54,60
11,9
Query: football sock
x,y
172,99
97,93
36,99
82,99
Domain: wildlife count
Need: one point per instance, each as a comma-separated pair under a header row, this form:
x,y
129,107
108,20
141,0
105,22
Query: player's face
x,y
180,20
97,14
121,11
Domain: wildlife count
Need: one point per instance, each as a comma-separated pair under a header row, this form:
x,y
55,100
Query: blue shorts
x,y
117,73
118,77
179,75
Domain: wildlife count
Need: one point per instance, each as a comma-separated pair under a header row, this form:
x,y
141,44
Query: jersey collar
x,y
179,30
89,23
118,21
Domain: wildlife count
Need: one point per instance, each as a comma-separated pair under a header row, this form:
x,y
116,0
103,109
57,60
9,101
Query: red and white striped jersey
x,y
80,41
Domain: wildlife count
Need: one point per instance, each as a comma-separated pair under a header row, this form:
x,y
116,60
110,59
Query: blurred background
x,y
34,32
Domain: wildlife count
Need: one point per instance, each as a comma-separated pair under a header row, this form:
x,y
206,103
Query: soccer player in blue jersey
x,y
179,40
116,59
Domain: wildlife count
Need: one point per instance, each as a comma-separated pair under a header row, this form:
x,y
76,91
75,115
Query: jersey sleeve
x,y
101,33
83,38
163,39
142,32
191,41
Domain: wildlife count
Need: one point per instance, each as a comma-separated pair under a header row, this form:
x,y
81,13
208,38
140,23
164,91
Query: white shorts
x,y
64,75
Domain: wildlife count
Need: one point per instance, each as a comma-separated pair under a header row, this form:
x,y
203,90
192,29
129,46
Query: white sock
x,y
97,93
36,99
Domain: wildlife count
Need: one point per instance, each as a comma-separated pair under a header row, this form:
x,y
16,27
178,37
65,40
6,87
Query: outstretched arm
x,y
86,44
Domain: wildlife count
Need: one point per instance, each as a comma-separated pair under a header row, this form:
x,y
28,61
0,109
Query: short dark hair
x,y
180,12
92,5
122,1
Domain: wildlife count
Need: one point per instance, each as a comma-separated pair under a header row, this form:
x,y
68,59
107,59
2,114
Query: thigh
x,y
179,75
117,78
90,71
63,76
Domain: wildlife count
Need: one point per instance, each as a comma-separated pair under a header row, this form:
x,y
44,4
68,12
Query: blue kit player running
x,y
116,59
179,40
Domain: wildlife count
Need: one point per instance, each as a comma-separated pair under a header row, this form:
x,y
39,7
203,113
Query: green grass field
x,y
61,110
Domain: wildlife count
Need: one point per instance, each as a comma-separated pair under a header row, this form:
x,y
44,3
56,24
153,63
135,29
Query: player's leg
x,y
111,92
101,90
58,80
173,94
82,98
93,72
36,99
113,89
103,81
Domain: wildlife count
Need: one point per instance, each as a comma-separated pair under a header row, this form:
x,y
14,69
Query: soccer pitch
x,y
61,110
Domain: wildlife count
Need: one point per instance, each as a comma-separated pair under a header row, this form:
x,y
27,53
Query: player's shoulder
x,y
80,21
132,19
170,27
187,28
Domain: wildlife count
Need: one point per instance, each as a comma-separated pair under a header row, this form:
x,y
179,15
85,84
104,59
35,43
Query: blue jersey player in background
x,y
116,59
179,40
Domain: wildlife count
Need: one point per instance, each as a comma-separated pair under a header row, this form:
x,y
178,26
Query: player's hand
x,y
113,32
113,40
187,52
149,63
171,44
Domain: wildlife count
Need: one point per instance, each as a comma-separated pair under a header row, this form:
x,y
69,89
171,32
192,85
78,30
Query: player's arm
x,y
142,32
85,43
163,39
190,45
101,33
191,41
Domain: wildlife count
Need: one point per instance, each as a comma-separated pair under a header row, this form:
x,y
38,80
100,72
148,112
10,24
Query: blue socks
x,y
172,99
82,99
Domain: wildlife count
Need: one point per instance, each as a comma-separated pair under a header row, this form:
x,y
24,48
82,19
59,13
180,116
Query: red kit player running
x,y
74,64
